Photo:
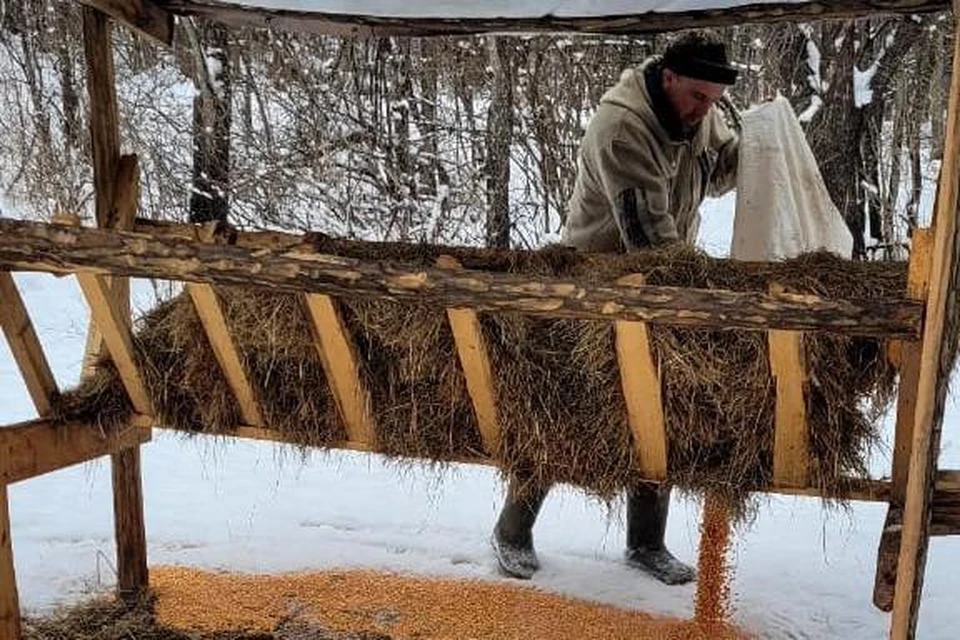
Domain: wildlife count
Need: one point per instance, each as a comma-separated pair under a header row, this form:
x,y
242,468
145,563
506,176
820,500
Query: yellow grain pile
x,y
398,607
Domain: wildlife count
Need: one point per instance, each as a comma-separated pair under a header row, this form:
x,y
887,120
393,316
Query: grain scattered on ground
x,y
400,607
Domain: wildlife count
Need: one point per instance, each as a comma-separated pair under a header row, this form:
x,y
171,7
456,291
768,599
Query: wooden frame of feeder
x,y
922,500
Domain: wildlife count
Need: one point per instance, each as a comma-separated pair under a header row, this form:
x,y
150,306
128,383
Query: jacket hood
x,y
631,93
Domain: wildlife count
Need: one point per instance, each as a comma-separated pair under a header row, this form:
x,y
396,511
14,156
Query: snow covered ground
x,y
800,572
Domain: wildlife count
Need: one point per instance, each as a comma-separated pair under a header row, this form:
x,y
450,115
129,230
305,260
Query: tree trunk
x,y
211,125
499,139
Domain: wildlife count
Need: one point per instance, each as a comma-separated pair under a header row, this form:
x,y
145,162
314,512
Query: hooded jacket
x,y
640,184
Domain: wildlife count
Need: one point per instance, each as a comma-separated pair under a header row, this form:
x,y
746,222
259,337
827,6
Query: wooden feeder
x,y
923,500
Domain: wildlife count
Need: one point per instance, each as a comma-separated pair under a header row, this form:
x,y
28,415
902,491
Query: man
x,y
655,148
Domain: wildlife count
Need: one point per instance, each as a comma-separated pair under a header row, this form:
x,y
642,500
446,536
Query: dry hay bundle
x,y
560,403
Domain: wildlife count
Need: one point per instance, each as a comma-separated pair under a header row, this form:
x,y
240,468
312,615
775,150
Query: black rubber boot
x,y
647,510
513,535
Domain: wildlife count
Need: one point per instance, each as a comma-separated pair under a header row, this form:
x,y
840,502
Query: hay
x,y
561,408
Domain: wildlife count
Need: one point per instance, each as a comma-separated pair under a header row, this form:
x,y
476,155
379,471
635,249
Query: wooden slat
x,y
25,346
640,381
908,362
211,315
116,334
9,601
143,16
34,448
339,359
791,435
55,248
475,364
936,363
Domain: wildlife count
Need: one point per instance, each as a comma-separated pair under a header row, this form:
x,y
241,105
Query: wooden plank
x,y
128,524
640,381
211,315
25,346
339,359
791,435
475,364
143,16
37,447
114,326
910,353
939,336
54,248
9,601
908,361
383,25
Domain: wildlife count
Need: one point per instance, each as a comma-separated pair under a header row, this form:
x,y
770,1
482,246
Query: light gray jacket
x,y
638,187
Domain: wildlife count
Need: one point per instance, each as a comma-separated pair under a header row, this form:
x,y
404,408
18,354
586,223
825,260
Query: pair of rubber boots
x,y
647,509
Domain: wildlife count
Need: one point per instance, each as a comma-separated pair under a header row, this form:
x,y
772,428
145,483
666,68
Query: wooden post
x,y
116,185
910,352
908,356
790,447
475,364
25,346
939,334
9,601
642,392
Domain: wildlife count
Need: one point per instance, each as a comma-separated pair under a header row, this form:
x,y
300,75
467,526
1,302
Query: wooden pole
x,y
58,248
116,184
9,601
937,358
908,356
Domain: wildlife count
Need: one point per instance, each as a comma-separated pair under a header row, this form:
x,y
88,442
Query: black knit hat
x,y
701,55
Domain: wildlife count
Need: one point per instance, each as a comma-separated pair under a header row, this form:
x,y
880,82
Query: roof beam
x,y
143,16
344,24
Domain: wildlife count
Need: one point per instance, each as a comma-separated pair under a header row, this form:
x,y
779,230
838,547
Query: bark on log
x,y
344,24
142,16
58,248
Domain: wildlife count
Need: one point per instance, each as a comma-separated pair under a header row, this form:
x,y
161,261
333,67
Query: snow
x,y
862,92
499,8
813,64
801,572
815,103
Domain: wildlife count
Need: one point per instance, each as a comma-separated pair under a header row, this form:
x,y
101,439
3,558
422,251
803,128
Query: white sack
x,y
783,208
